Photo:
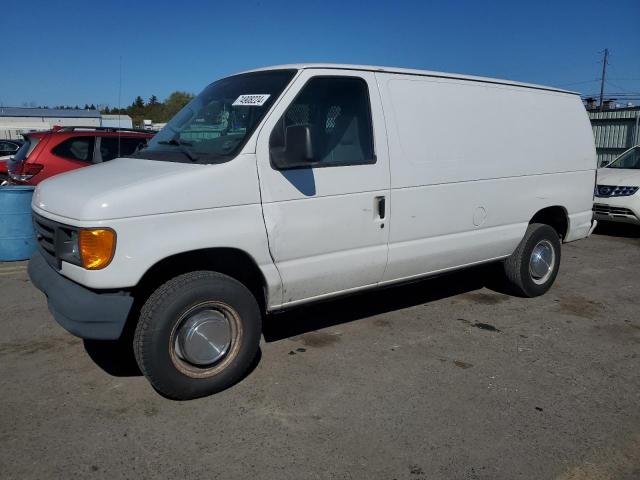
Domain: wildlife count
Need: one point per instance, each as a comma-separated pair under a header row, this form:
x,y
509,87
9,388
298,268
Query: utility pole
x,y
604,72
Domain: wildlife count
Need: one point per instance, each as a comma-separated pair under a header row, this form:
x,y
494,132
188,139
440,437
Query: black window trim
x,y
374,158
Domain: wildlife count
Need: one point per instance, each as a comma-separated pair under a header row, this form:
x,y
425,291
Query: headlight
x,y
91,248
67,245
97,246
615,191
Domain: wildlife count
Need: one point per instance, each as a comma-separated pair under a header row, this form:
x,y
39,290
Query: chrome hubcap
x,y
203,337
542,261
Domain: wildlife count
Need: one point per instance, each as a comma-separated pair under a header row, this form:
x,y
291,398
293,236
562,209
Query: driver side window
x,y
327,125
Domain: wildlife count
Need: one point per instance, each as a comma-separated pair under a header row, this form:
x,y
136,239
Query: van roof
x,y
408,71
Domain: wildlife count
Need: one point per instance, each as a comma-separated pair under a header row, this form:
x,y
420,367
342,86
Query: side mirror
x,y
300,144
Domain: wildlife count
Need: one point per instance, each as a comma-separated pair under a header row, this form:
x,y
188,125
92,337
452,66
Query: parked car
x,y
617,198
288,185
7,149
45,154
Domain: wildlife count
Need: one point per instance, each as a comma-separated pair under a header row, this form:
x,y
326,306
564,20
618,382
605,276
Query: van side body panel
x,y
471,163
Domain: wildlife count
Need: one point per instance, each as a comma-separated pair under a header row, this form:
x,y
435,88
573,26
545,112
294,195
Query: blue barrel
x,y
17,239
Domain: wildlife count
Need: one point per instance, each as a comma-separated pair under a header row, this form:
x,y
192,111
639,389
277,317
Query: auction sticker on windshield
x,y
251,100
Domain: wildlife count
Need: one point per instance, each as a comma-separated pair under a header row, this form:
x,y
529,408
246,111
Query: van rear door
x,y
324,176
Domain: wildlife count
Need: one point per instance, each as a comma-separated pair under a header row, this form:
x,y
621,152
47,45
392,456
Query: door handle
x,y
381,207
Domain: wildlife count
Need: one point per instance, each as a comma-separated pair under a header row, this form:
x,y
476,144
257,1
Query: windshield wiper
x,y
182,145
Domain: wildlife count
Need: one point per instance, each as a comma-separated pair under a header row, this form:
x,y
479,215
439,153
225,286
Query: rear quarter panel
x,y
53,164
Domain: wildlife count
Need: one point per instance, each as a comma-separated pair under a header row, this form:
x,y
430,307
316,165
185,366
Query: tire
x,y
164,321
530,278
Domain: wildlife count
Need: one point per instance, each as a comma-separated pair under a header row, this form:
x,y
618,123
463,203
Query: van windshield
x,y
215,125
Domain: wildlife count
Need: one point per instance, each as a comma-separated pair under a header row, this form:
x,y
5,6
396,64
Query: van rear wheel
x,y
533,266
197,335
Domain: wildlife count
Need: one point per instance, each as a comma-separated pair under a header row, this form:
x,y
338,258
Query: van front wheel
x,y
197,335
533,267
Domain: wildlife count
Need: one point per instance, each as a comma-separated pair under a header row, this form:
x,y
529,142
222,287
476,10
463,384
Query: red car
x,y
45,154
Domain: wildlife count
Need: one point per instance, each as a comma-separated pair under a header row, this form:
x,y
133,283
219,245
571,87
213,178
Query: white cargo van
x,y
291,184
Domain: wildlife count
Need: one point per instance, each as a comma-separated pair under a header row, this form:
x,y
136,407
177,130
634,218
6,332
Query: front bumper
x,y
86,313
615,212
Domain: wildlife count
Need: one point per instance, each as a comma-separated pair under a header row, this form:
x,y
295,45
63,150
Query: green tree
x,y
174,104
154,109
137,110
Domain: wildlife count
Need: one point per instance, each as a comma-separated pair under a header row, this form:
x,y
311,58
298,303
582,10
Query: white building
x,y
117,121
14,121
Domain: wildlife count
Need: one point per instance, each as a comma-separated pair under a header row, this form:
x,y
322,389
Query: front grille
x,y
613,211
46,233
605,191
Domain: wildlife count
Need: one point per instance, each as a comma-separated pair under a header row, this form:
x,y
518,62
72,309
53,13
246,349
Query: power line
x,y
609,94
623,89
597,80
577,83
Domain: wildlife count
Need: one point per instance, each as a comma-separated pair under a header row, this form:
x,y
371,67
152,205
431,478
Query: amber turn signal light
x,y
97,246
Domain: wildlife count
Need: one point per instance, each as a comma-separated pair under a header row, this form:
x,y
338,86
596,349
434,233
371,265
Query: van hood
x,y
622,177
131,187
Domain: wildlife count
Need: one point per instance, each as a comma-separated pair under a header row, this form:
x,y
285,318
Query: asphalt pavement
x,y
446,378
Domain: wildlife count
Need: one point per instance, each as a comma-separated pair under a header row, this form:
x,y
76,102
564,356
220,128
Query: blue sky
x,y
68,52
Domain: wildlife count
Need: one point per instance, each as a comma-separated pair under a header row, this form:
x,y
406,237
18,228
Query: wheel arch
x,y
234,262
555,216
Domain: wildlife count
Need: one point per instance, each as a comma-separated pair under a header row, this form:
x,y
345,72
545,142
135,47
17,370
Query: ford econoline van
x,y
292,184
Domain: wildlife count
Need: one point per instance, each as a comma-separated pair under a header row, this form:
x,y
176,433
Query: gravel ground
x,y
443,379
